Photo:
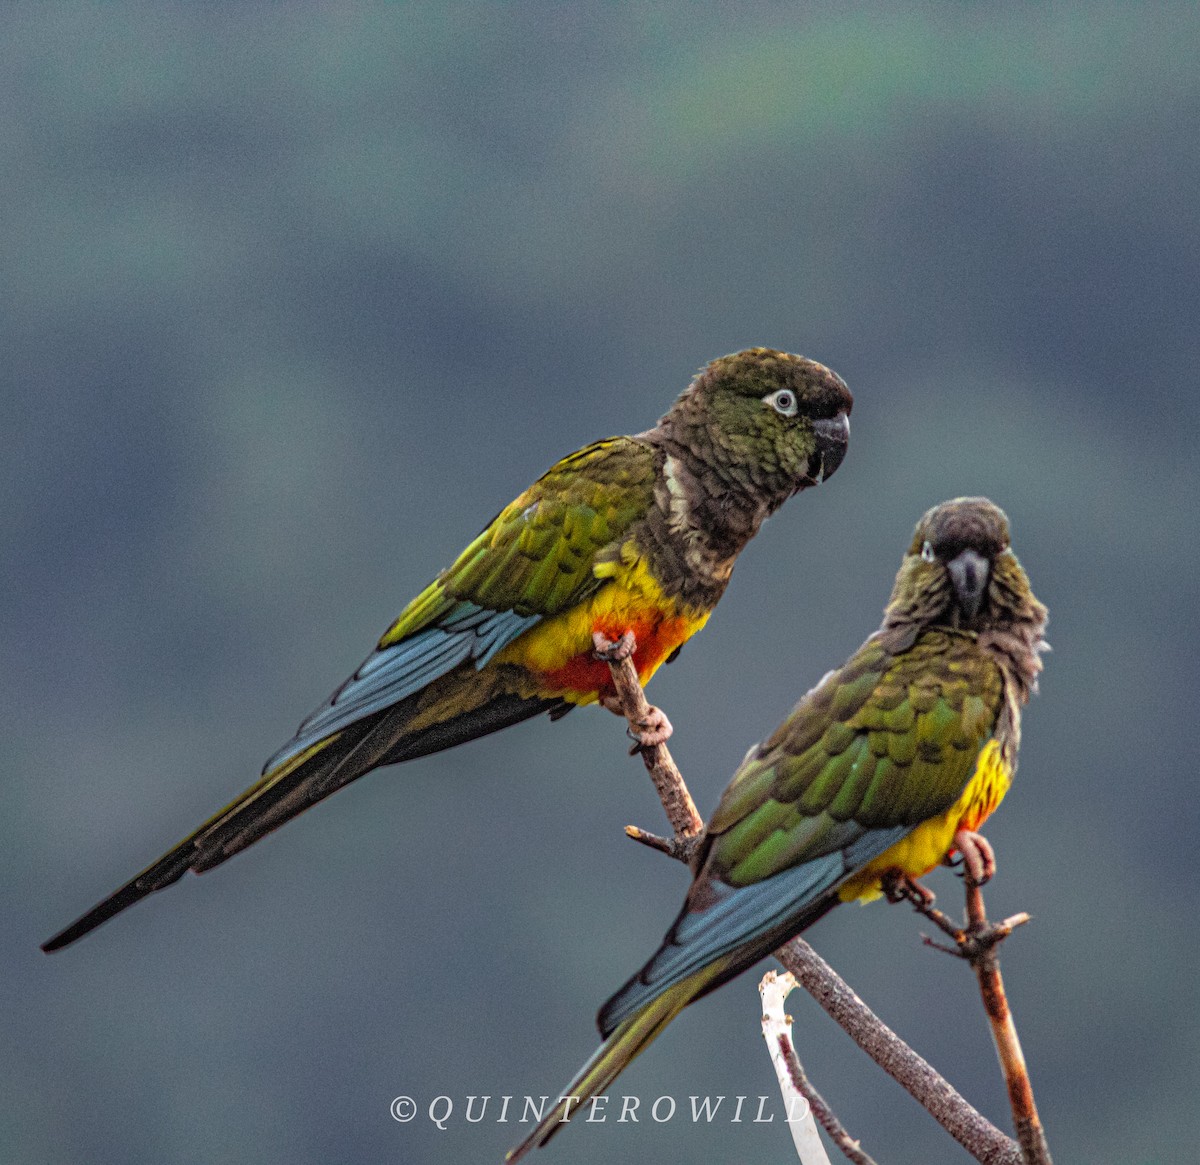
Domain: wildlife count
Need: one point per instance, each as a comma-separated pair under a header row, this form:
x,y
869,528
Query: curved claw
x,y
898,887
978,857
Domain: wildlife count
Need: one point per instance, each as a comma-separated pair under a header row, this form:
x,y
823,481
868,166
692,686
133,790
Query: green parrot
x,y
632,534
888,765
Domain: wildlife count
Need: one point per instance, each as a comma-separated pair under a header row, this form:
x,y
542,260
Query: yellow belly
x,y
559,649
924,848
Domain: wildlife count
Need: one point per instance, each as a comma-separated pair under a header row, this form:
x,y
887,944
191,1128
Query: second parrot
x,y
889,764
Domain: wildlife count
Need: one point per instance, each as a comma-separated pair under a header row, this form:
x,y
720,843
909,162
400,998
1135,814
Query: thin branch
x,y
1030,1134
965,1123
852,1149
986,1143
681,810
978,942
794,1083
773,989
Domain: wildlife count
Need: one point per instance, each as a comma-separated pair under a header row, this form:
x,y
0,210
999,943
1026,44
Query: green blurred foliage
x,y
296,298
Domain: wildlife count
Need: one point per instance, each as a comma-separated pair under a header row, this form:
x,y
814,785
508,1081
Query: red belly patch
x,y
655,641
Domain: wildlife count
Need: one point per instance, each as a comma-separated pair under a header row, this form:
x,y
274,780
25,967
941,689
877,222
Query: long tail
x,y
300,782
667,984
626,1042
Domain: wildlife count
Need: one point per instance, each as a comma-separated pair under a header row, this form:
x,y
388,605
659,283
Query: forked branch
x,y
978,942
798,1092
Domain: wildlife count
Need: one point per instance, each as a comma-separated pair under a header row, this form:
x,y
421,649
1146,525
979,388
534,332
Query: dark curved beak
x,y
833,435
969,575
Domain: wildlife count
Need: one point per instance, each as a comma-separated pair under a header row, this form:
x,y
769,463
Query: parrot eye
x,y
927,554
783,402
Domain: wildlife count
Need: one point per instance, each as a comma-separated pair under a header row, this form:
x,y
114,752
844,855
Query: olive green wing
x,y
883,744
888,741
540,555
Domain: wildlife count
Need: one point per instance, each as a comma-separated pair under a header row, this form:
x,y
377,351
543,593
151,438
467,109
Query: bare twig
x,y
851,1148
672,792
986,963
965,1123
986,1143
794,1083
774,988
978,942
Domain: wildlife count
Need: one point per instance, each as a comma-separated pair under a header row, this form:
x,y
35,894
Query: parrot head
x,y
765,421
960,571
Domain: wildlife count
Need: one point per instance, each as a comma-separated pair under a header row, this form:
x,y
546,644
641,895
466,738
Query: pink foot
x,y
654,729
613,703
613,650
977,854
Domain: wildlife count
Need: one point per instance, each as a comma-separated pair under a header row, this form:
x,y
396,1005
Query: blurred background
x,y
296,299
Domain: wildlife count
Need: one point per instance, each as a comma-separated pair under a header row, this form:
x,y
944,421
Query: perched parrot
x,y
629,534
881,771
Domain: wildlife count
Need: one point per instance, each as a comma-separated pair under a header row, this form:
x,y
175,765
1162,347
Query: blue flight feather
x,y
743,913
393,673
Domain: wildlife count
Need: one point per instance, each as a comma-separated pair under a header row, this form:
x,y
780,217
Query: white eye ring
x,y
927,554
783,401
